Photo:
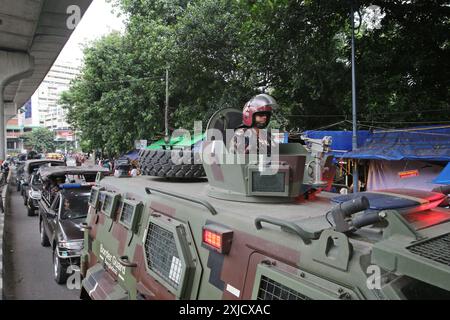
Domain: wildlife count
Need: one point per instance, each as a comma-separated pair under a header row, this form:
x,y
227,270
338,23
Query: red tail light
x,y
217,238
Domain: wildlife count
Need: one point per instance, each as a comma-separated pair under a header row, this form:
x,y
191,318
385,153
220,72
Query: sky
x,y
97,21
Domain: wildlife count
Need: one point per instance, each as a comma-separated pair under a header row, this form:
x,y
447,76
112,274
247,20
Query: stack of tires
x,y
159,163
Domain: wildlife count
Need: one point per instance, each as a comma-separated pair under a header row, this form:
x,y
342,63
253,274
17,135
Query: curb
x,y
5,202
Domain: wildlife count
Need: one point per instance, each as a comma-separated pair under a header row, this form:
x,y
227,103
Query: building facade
x,y
44,110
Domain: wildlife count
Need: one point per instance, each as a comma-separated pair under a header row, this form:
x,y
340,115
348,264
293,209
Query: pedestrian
x,y
134,171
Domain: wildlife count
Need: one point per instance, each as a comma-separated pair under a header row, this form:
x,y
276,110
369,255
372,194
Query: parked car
x,y
63,207
30,167
19,174
34,193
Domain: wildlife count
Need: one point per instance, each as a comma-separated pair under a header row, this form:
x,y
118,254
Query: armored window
x,y
163,257
268,183
270,289
130,214
95,197
109,205
272,283
169,255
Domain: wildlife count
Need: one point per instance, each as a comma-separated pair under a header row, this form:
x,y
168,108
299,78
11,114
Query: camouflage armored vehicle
x,y
244,234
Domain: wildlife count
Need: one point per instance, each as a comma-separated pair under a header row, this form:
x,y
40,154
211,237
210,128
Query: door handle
x,y
85,226
123,260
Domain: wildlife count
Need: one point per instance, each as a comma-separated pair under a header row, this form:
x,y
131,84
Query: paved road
x,y
27,265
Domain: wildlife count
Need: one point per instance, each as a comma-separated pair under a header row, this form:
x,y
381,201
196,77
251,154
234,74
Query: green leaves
x,y
40,139
222,52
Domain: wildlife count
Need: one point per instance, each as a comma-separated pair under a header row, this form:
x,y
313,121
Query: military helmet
x,y
259,104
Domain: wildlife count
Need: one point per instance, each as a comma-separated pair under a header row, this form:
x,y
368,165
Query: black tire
x,y
159,163
59,269
45,242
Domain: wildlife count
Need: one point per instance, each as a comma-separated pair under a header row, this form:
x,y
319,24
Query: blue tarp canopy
x,y
342,140
444,176
132,155
430,143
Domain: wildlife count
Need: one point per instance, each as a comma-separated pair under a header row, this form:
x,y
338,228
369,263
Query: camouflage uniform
x,y
251,141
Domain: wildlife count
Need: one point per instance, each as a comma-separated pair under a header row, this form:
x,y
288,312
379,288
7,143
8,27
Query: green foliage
x,y
222,52
40,140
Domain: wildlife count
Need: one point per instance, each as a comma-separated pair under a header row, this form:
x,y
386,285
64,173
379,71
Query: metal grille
x,y
162,254
127,214
436,249
272,290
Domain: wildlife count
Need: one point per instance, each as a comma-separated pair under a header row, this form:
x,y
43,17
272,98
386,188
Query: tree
x,y
41,140
109,102
221,52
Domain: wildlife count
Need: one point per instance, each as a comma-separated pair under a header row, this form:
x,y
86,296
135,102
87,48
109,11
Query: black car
x,y
59,226
34,193
62,209
29,168
20,166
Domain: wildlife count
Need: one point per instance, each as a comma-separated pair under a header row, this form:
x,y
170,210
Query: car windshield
x,y
74,205
36,180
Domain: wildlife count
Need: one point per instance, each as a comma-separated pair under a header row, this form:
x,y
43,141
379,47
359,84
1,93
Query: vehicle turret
x,y
289,171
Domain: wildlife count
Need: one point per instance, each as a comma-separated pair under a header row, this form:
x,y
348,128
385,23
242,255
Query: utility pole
x,y
354,136
166,114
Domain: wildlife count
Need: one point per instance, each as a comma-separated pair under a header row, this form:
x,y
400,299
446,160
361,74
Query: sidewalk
x,y
3,207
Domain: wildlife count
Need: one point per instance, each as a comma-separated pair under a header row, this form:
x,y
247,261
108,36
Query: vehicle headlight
x,y
36,195
71,245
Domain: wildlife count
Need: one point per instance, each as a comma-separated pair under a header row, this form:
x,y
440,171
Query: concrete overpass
x,y
32,34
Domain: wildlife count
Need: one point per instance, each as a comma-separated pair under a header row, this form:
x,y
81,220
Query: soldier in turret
x,y
251,137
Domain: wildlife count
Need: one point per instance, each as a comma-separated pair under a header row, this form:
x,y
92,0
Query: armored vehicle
x,y
62,208
252,232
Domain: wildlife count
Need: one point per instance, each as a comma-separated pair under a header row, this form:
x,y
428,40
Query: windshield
x,y
74,205
36,179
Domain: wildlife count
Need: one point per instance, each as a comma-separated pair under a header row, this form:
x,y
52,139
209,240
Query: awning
x,y
430,144
341,140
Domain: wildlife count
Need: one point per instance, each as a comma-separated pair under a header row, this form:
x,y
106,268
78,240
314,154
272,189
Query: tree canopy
x,y
40,139
221,52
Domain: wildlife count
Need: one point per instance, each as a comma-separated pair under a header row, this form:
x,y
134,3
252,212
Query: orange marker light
x,y
217,238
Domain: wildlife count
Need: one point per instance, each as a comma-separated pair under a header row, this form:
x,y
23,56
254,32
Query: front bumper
x,y
69,254
100,285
